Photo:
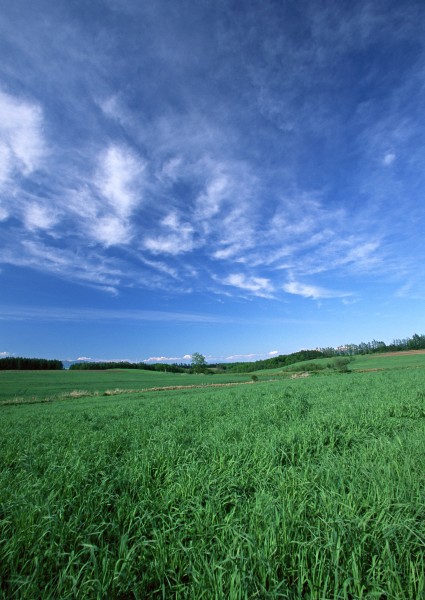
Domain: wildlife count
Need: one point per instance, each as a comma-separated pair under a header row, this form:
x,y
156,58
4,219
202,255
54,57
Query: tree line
x,y
416,342
18,363
282,360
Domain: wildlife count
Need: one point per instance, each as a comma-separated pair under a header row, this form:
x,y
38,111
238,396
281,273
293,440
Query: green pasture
x,y
388,361
40,385
303,488
358,363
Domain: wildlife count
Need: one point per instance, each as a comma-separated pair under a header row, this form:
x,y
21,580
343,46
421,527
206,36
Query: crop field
x,y
292,488
36,386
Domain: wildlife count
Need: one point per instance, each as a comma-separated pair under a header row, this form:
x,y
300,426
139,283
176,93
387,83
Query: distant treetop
x,y
18,363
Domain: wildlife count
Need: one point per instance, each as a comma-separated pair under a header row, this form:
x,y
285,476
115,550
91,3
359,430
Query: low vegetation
x,y
292,488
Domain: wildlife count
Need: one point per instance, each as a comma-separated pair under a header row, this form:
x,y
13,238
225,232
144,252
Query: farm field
x,y
304,488
41,385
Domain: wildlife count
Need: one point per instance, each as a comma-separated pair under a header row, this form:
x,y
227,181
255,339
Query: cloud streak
x,y
311,291
259,286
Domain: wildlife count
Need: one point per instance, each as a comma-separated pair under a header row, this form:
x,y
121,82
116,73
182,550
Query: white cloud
x,y
4,354
111,107
91,269
52,313
22,145
177,240
259,286
210,200
5,162
110,231
38,217
413,289
312,291
4,213
161,267
185,358
389,158
363,255
103,207
118,179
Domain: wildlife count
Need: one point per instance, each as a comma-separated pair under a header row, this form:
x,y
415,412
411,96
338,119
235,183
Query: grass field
x,y
21,386
304,488
365,362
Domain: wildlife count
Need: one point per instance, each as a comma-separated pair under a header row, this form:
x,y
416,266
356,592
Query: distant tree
x,y
199,363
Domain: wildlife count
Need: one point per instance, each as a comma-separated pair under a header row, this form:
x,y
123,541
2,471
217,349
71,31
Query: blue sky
x,y
233,178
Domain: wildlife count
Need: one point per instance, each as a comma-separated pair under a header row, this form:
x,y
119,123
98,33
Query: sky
x,y
239,179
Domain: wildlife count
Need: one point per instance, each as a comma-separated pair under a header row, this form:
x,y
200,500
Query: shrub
x,y
340,364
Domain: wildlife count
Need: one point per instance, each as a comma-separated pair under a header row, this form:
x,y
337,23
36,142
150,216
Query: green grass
x,y
359,362
289,489
41,385
383,361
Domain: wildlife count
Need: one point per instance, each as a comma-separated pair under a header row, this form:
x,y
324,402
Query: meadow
x,y
46,386
367,362
289,488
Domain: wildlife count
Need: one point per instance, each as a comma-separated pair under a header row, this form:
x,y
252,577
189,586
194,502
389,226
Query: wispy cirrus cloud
x,y
177,237
118,179
22,144
110,196
37,216
22,151
312,291
258,286
93,269
104,315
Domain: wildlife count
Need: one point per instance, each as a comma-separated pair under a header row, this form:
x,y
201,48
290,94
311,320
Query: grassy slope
x,y
389,361
369,361
290,489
